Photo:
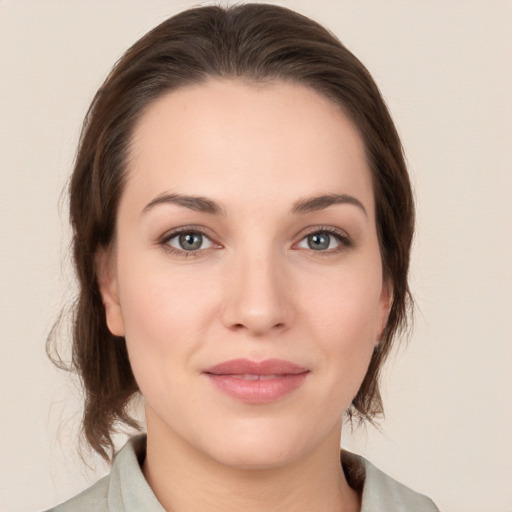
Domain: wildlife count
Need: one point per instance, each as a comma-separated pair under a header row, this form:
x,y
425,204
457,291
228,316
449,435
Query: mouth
x,y
251,376
256,382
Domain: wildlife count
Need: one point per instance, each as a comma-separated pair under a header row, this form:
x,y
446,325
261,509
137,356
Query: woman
x,y
242,222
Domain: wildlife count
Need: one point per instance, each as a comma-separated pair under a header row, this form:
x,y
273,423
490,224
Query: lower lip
x,y
258,391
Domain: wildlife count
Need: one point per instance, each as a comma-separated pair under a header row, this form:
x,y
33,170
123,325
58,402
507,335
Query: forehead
x,y
232,139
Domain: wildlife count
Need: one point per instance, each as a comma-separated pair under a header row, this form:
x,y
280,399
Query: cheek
x,y
345,321
166,315
347,307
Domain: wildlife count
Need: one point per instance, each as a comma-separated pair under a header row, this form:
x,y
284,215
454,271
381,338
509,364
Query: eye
x,y
189,241
324,240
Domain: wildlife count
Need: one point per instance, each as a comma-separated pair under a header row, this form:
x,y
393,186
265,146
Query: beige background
x,y
445,70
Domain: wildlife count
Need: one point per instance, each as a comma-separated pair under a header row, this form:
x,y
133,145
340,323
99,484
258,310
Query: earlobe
x,y
109,289
386,304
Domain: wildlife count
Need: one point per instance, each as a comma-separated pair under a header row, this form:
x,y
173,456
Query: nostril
x,y
258,330
256,309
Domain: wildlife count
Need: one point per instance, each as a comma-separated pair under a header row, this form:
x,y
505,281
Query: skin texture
x,y
255,290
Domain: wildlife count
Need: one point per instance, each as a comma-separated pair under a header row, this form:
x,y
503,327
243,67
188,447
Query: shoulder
x,y
93,498
382,492
124,490
391,494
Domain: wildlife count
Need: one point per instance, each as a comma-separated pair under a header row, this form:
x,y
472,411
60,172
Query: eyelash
x,y
167,237
344,240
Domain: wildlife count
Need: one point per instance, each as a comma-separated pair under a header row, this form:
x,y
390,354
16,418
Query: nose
x,y
256,297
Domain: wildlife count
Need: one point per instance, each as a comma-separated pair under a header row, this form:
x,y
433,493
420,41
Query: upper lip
x,y
248,367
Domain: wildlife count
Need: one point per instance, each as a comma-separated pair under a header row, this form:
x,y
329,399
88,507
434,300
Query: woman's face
x,y
246,275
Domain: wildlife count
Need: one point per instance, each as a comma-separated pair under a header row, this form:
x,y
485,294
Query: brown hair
x,y
257,42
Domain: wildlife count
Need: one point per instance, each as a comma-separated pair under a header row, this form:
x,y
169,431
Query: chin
x,y
257,448
254,458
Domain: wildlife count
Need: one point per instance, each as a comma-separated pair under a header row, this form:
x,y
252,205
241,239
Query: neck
x,y
185,480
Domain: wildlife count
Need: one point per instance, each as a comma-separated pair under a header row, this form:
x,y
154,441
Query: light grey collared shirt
x,y
125,489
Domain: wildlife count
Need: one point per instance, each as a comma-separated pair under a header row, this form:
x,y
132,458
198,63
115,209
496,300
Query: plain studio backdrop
x,y
444,68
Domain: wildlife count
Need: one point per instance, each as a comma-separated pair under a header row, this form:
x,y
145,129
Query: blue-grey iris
x,y
190,241
319,241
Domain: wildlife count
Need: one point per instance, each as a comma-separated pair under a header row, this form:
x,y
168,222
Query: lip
x,y
257,382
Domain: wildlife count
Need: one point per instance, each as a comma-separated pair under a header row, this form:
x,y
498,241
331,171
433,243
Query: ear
x,y
386,301
109,289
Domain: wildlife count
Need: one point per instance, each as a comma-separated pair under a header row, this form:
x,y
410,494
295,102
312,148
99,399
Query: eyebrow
x,y
196,203
302,206
317,203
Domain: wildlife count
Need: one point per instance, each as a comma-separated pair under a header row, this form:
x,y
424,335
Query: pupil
x,y
190,241
318,241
